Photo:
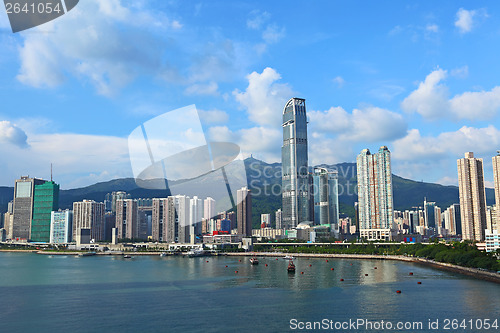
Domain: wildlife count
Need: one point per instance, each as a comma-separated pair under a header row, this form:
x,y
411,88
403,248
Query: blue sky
x,y
419,78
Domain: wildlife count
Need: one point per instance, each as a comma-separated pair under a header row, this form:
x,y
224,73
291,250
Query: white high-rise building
x,y
195,217
496,179
472,197
182,209
163,220
208,208
375,202
61,226
88,214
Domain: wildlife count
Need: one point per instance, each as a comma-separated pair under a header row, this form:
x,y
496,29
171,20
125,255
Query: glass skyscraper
x,y
326,198
46,200
295,176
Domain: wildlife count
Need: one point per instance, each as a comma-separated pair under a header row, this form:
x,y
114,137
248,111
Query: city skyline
x,y
421,81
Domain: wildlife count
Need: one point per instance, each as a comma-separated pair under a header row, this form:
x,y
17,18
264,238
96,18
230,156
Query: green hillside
x,y
264,180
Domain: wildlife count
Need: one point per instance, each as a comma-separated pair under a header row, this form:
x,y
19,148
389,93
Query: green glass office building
x,y
46,200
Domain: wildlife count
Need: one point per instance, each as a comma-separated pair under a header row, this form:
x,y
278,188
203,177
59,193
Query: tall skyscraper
x,y
163,220
496,179
375,203
45,201
88,214
326,198
244,212
61,226
182,218
209,208
195,216
279,223
127,218
24,194
296,194
472,197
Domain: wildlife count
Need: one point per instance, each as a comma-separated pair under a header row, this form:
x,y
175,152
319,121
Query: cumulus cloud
x,y
465,19
264,98
431,100
11,134
102,42
79,160
370,124
414,146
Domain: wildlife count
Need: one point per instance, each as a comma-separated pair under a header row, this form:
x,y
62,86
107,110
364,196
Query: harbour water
x,y
54,293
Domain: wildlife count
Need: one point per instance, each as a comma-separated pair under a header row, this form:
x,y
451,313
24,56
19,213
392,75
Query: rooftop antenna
x,y
50,171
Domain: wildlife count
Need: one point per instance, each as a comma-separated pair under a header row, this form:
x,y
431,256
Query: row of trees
x,y
463,254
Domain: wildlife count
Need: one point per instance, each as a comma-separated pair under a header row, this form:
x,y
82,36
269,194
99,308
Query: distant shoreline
x,y
472,272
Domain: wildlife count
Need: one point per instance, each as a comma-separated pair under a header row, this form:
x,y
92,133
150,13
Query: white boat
x,y
288,257
163,254
197,253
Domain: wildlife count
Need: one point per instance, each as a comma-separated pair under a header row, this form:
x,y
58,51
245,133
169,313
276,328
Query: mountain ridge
x,y
264,180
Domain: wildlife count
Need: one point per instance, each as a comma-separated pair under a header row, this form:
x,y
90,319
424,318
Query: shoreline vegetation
x,y
463,258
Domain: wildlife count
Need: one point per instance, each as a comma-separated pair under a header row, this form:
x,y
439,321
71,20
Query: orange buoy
x,y
374,267
411,273
207,260
310,265
266,265
398,291
236,271
326,260
366,274
419,282
341,279
301,272
226,265
240,260
332,269
276,258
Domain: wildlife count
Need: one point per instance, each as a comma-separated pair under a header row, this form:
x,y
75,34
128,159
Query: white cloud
x,y
273,34
213,116
257,19
11,134
414,146
339,81
264,99
210,88
370,124
431,100
77,159
465,19
102,42
432,28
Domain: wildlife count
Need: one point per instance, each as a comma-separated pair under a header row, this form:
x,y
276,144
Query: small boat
x,y
291,267
163,254
127,256
197,253
86,254
288,257
254,261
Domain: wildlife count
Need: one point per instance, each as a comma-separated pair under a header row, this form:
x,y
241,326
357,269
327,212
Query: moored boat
x,y
254,261
291,267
